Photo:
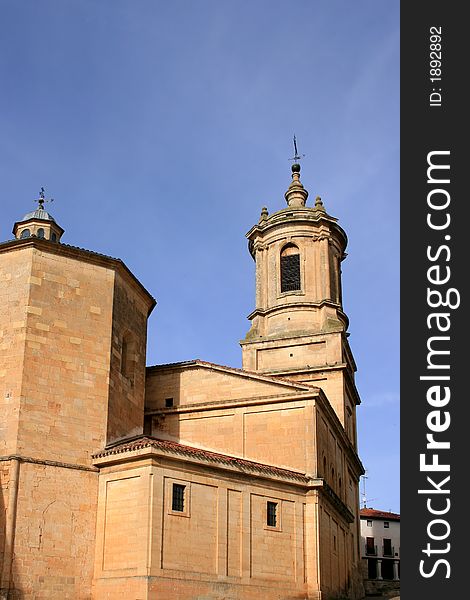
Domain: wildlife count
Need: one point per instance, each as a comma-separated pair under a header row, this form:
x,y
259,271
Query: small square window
x,y
177,500
168,402
369,523
271,514
386,524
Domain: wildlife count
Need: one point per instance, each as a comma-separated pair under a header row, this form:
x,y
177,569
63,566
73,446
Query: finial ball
x,y
296,168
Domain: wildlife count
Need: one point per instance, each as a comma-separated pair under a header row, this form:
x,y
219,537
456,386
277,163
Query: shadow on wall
x,y
9,480
163,394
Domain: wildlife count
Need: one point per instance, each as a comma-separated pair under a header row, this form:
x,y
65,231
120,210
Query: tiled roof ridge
x,y
378,514
196,361
169,445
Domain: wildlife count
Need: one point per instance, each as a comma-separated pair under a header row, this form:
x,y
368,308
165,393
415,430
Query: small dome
x,y
39,213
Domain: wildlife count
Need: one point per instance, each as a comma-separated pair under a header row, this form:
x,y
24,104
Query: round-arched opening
x,y
290,268
26,233
40,233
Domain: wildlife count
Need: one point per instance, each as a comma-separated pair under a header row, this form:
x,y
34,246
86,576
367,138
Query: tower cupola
x,y
38,223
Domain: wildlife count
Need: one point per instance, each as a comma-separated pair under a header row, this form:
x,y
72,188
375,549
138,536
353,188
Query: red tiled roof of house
x,y
198,453
371,513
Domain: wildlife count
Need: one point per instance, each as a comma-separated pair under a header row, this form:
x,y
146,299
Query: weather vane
x,y
42,199
296,156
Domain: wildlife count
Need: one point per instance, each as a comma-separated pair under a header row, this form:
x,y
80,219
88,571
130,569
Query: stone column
x,y
379,568
395,571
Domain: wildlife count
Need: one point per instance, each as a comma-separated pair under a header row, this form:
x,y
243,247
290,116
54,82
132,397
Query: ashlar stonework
x,y
178,481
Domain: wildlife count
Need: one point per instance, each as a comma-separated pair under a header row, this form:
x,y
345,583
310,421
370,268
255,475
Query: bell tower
x,y
298,328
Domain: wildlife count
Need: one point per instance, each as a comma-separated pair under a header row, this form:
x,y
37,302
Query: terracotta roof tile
x,y
208,455
371,513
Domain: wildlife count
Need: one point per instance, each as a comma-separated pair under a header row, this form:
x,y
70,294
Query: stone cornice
x,y
144,447
82,254
48,463
266,311
197,363
158,452
310,393
292,216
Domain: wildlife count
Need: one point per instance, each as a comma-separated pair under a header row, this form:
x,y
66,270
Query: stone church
x,y
189,480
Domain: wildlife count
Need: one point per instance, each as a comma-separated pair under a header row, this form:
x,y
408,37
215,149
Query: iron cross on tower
x,y
296,156
42,199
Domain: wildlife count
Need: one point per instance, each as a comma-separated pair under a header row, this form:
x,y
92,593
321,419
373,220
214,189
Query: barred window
x,y
177,501
271,514
290,268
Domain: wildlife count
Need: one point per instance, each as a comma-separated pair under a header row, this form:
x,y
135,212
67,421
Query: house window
x,y
177,500
387,549
370,546
271,514
369,523
168,402
290,269
386,524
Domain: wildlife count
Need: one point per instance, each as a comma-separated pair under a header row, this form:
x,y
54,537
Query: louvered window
x,y
290,269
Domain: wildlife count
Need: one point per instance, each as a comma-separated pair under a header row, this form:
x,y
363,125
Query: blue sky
x,y
161,129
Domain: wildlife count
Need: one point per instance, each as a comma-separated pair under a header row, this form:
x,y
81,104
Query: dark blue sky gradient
x,y
162,128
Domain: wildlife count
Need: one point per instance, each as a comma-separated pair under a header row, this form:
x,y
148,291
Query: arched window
x,y
40,233
128,349
290,268
53,237
25,234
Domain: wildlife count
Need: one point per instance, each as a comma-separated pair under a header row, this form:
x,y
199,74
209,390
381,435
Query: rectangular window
x,y
387,549
271,514
168,402
386,524
177,501
369,523
370,546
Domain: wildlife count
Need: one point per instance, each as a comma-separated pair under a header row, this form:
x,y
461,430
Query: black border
x,y
423,129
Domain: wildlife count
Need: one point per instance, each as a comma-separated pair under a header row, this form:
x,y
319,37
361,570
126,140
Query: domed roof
x,y
39,213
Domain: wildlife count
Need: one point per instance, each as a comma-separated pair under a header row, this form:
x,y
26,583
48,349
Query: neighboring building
x,y
380,537
184,480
